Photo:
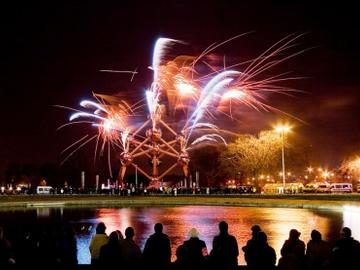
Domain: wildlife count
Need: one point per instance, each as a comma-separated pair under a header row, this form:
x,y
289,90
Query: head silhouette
x,y
261,238
294,234
120,235
315,235
113,237
158,228
223,227
101,228
346,232
129,232
255,229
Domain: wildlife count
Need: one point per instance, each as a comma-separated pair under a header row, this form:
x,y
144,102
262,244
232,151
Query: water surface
x,y
178,221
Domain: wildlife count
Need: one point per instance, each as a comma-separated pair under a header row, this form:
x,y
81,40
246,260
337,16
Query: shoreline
x,y
332,202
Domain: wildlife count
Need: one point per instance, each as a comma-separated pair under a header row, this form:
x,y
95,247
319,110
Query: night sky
x,y
52,54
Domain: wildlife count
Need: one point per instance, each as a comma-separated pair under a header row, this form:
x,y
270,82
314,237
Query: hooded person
x,y
292,252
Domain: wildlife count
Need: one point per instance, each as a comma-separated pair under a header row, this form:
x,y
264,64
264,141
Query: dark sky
x,y
52,54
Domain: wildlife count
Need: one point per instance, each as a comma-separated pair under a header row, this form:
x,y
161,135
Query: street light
x,y
282,129
136,175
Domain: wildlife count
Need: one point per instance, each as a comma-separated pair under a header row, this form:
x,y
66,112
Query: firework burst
x,y
197,87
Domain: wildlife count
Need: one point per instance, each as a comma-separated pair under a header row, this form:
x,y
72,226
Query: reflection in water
x,y
178,221
352,220
45,212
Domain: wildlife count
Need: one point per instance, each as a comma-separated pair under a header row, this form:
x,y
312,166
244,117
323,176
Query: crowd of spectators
x,y
56,249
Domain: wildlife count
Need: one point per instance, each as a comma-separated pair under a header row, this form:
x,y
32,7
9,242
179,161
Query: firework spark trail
x,y
89,104
215,84
85,114
213,46
73,123
207,137
80,146
109,120
158,54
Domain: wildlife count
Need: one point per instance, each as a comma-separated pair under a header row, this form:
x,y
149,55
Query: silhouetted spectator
x,y
225,249
120,235
7,260
292,252
265,255
110,253
98,240
317,252
248,249
47,254
26,249
131,251
346,252
197,250
182,259
68,248
157,250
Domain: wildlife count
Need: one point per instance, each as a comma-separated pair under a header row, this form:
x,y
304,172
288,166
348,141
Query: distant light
x,y
282,129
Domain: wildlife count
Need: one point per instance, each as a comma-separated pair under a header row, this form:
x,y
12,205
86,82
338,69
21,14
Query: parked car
x,y
341,188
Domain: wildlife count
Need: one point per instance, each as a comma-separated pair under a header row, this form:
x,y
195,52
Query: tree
x,y
253,155
351,167
206,160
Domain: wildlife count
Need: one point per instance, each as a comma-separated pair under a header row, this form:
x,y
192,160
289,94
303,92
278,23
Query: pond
x,y
178,220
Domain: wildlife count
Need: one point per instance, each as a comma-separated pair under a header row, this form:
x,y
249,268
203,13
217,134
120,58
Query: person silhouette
x,y
317,252
292,252
110,253
130,250
97,241
225,249
346,251
248,248
157,250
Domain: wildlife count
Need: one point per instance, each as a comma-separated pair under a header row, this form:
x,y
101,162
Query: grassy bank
x,y
336,201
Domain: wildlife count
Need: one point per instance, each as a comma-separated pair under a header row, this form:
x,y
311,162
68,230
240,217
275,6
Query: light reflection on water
x,y
178,221
352,220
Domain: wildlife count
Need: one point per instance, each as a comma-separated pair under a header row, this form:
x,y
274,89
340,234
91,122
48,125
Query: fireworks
x,y
196,87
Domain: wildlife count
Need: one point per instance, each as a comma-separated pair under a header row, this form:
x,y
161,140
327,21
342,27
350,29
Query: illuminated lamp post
x,y
282,130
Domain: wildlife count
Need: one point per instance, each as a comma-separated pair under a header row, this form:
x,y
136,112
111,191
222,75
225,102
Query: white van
x,y
44,190
317,187
341,188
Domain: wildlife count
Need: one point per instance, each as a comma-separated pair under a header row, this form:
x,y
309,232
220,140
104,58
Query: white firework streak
x,y
209,138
